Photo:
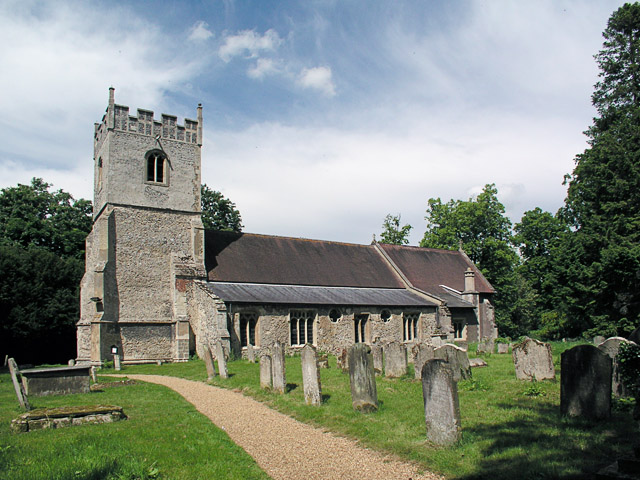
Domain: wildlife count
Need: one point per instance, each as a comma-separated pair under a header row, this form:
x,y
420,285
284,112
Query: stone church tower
x,y
147,240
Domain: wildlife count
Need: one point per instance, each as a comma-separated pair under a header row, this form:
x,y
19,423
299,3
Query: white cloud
x,y
318,78
200,32
249,43
262,68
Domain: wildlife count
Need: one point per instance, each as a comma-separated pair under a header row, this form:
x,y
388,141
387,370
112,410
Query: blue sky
x,y
320,117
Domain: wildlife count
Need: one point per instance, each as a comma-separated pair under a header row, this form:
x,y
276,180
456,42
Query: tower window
x,y
156,167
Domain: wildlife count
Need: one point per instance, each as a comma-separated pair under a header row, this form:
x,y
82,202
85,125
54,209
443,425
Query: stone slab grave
x,y
364,395
311,375
16,378
458,359
278,371
266,375
39,382
477,363
46,418
222,361
611,346
585,388
377,354
421,353
533,360
208,363
441,404
395,360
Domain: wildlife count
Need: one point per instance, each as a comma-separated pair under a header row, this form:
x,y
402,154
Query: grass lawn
x,y
164,437
511,429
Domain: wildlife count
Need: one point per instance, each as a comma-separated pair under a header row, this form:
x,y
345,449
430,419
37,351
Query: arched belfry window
x,y
157,167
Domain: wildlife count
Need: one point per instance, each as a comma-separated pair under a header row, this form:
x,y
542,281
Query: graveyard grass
x,y
511,429
164,437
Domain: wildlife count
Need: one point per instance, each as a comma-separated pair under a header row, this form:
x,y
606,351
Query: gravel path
x,y
282,446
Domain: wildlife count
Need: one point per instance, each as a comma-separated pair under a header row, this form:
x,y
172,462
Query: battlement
x,y
117,118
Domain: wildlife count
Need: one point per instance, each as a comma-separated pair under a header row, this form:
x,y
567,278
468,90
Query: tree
x,y
480,227
218,212
31,215
603,198
393,233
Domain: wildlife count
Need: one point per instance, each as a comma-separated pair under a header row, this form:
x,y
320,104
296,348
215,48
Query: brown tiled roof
x,y
428,268
250,258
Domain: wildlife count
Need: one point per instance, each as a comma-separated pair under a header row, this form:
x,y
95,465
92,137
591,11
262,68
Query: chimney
x,y
469,280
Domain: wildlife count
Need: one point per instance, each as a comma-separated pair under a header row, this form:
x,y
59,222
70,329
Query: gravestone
x,y
16,378
485,346
503,348
311,375
208,363
635,336
585,388
477,363
323,361
611,346
376,353
71,363
421,352
395,360
458,359
279,378
39,382
265,370
116,362
251,353
598,339
533,360
441,405
222,361
94,377
437,341
364,396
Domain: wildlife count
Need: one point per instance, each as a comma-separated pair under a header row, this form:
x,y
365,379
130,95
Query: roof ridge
x,y
287,237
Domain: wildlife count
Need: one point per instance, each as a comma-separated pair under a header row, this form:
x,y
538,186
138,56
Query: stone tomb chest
x,y
39,382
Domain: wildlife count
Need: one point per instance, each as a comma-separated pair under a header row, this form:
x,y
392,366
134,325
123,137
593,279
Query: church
x,y
158,287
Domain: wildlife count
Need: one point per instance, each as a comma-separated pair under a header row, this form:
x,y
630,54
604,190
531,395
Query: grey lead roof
x,y
315,295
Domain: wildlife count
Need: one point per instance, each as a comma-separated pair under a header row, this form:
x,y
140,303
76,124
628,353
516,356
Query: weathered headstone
x,y
458,359
441,405
377,354
323,361
395,360
364,395
17,384
279,377
533,360
94,377
486,346
71,363
598,339
421,352
635,336
251,353
116,362
585,388
437,341
311,375
208,363
611,346
265,370
503,348
343,360
222,361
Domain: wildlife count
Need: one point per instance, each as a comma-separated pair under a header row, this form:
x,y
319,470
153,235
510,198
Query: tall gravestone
x,y
421,352
585,388
251,353
17,384
343,360
266,374
458,359
279,377
611,346
533,360
222,361
395,360
441,404
311,375
364,395
116,362
208,363
376,353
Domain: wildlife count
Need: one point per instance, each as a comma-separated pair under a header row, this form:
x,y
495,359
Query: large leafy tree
x,y
393,233
218,212
603,198
479,226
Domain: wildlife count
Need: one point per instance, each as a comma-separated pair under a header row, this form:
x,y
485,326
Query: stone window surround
x,y
295,317
151,176
459,328
410,326
250,330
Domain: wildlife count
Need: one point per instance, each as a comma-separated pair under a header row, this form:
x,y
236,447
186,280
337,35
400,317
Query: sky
x,y
320,117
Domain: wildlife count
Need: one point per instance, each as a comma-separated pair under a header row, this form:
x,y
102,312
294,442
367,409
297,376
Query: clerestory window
x,y
156,167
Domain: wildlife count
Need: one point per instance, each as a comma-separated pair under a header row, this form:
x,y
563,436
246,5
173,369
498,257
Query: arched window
x,y
156,167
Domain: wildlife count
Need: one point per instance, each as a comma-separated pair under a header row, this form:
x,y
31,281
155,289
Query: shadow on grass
x,y
291,386
548,445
